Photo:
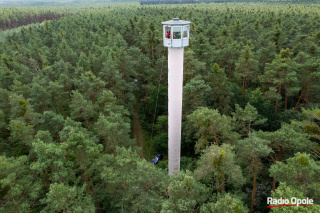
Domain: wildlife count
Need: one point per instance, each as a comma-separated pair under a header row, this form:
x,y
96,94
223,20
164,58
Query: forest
x,y
83,108
142,2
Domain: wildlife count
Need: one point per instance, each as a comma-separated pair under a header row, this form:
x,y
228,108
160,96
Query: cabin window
x,y
167,32
185,31
176,32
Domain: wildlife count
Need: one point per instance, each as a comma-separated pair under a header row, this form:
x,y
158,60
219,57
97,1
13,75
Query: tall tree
x,y
132,184
309,73
281,73
203,49
185,194
288,137
300,172
217,167
113,130
81,108
192,66
195,93
247,117
221,88
21,190
287,192
250,150
246,67
212,127
224,203
66,198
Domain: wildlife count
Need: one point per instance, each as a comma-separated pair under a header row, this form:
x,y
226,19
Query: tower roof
x,y
176,21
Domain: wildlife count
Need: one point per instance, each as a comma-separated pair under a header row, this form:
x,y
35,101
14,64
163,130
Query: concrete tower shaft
x,y
175,85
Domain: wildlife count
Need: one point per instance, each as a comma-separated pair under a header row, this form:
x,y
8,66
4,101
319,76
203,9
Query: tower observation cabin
x,y
176,33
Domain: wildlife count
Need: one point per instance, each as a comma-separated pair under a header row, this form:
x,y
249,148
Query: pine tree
x,y
246,67
300,172
221,88
251,150
281,73
212,126
195,93
217,167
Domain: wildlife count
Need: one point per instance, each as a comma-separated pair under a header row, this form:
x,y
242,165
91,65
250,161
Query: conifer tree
x,y
212,127
251,150
246,67
281,75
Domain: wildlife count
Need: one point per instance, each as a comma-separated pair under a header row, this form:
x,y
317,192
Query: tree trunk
x,y
278,159
75,178
106,144
95,195
285,104
243,85
152,55
249,128
286,98
219,100
87,122
223,185
254,187
291,102
276,107
305,86
215,136
62,110
45,182
84,177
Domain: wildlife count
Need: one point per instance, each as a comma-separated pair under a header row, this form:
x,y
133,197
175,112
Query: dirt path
x,y
137,128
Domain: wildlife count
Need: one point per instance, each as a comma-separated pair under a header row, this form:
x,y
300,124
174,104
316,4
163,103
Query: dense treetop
x,y
76,89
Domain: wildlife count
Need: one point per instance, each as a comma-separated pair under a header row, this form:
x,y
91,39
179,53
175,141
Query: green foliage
x,y
113,130
23,190
67,199
288,137
246,118
250,151
195,94
69,88
21,135
311,125
212,127
283,190
246,67
160,143
281,74
53,123
300,172
191,65
185,194
217,167
220,87
133,184
225,203
253,148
